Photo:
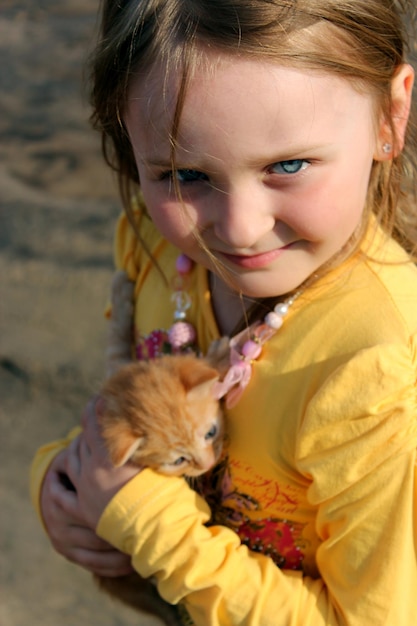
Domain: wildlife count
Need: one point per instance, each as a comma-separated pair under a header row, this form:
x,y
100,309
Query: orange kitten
x,y
160,414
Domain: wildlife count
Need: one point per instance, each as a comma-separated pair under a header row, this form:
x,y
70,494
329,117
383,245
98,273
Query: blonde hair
x,y
363,41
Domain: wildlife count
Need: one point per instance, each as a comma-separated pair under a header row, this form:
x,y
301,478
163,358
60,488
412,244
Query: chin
x,y
266,288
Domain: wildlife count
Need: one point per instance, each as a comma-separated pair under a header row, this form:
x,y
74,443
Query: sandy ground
x,y
58,206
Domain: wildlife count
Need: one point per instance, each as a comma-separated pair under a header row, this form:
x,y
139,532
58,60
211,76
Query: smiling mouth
x,y
255,261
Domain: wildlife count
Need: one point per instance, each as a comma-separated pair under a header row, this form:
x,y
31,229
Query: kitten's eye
x,y
179,461
211,433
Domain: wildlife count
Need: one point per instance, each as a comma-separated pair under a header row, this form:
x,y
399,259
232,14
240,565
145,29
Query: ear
x,y
202,390
390,141
194,371
122,451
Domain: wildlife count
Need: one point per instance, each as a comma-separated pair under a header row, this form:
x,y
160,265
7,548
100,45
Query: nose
x,y
243,216
205,459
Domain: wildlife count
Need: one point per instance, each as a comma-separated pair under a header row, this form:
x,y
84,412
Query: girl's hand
x,y
90,470
68,530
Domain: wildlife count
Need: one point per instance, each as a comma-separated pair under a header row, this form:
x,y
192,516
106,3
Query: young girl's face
x,y
273,164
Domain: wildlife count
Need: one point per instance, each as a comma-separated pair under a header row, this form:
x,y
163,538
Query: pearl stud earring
x,y
387,148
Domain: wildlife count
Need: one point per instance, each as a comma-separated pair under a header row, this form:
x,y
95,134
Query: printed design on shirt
x,y
279,538
275,538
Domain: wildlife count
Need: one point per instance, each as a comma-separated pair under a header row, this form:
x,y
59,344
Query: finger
x,y
92,455
90,414
58,463
84,451
85,538
72,461
92,442
87,410
112,563
64,499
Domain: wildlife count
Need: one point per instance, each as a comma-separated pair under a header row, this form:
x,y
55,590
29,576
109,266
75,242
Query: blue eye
x,y
189,176
289,167
211,433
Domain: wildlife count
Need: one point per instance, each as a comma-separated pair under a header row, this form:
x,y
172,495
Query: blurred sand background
x,y
58,207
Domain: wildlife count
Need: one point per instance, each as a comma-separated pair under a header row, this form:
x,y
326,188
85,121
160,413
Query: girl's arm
x,y
361,457
160,521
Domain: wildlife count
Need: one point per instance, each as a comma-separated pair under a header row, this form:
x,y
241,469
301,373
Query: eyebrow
x,y
154,161
293,153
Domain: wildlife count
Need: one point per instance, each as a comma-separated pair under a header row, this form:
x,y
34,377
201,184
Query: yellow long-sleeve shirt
x,y
321,469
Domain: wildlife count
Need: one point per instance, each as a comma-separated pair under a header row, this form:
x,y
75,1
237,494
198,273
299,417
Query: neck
x,y
229,306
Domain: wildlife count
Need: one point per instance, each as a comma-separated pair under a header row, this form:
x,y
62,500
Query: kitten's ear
x,y
126,446
202,390
194,372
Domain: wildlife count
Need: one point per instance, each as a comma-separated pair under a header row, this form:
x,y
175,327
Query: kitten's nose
x,y
205,460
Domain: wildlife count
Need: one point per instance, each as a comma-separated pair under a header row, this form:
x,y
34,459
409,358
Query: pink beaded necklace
x,y
245,347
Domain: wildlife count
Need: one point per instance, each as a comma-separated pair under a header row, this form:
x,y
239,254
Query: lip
x,y
255,261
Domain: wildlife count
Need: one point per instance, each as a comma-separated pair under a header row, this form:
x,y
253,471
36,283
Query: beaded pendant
x,y
182,335
245,349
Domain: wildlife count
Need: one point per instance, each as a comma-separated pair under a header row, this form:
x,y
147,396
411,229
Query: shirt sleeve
x,y
357,448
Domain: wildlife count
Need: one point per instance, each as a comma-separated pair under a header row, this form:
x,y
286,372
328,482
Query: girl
x,y
269,140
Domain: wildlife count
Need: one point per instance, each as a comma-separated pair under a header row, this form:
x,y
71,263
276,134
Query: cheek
x,y
170,217
332,207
